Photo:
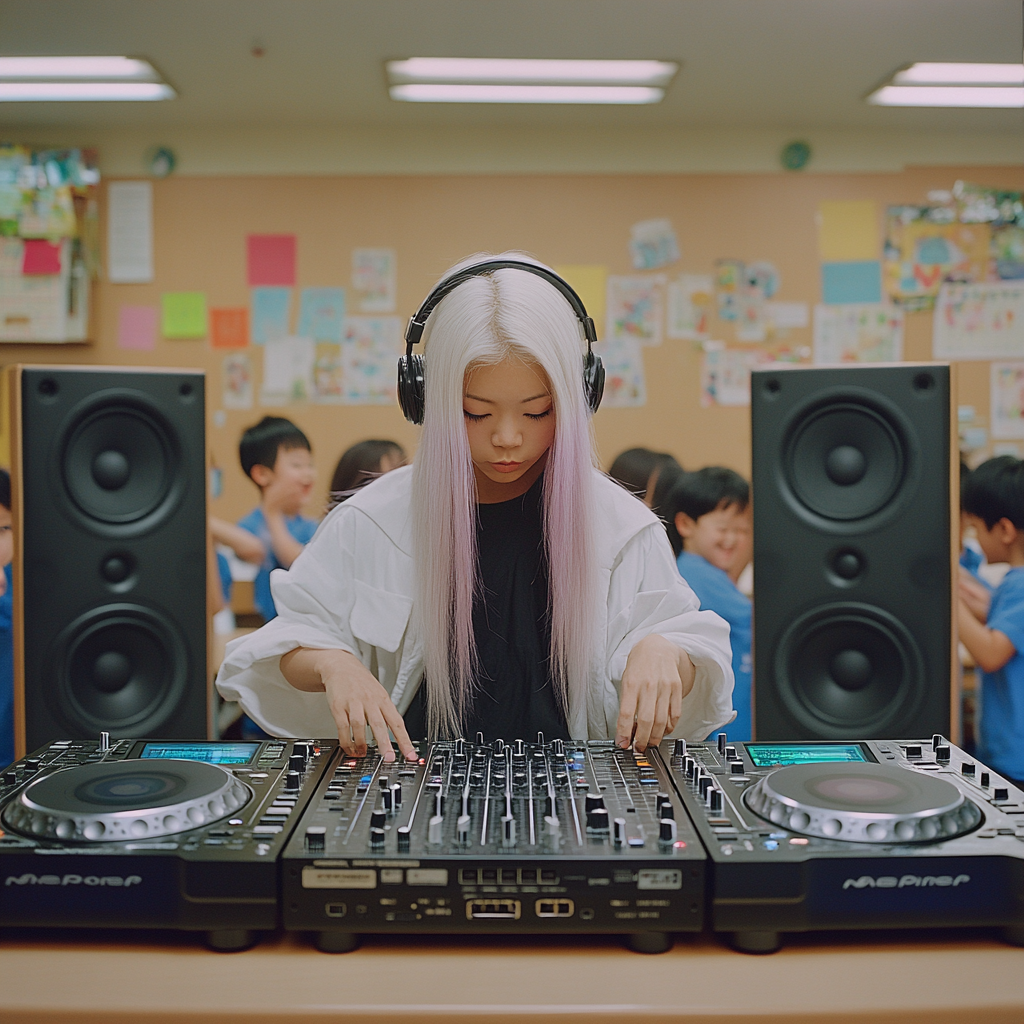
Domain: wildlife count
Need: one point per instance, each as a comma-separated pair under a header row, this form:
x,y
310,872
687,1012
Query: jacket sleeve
x,y
314,601
648,596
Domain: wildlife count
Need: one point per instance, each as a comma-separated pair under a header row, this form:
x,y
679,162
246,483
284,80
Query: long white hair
x,y
487,319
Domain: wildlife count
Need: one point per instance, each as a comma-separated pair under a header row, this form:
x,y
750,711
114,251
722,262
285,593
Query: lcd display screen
x,y
766,755
211,753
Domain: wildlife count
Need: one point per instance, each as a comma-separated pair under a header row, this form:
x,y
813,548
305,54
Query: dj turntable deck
x,y
509,838
147,834
871,834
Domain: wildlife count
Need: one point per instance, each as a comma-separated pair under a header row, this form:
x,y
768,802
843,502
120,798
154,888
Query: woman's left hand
x,y
658,676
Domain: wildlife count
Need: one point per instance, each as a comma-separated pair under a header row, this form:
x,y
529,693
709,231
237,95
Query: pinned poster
x,y
690,300
1006,400
328,374
40,257
979,321
136,328
374,279
130,232
322,313
652,244
229,328
369,356
270,260
236,381
269,309
590,282
624,382
845,283
848,230
858,334
728,286
783,315
287,371
725,374
183,314
634,309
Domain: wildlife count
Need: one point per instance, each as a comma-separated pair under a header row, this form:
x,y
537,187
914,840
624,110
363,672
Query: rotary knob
x,y
292,780
378,819
591,801
296,763
667,830
597,820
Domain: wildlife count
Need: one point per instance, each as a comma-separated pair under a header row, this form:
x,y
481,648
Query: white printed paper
x,y
374,279
858,333
979,321
782,315
725,374
287,370
634,309
624,381
653,244
236,387
690,301
369,359
1007,400
130,232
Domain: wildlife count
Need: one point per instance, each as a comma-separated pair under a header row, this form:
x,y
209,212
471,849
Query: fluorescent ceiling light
x,y
507,71
960,74
947,96
455,93
54,92
120,68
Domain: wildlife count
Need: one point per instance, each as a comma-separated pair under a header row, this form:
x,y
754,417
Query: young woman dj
x,y
501,584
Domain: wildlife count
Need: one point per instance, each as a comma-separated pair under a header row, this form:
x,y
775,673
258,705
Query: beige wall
x,y
201,224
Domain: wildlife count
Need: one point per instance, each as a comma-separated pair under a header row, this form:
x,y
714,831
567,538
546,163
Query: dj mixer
x,y
149,834
508,838
869,834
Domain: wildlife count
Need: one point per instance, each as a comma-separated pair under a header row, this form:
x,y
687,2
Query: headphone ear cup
x,y
593,380
411,388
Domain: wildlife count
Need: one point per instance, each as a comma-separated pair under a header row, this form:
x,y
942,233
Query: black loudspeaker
x,y
109,506
855,491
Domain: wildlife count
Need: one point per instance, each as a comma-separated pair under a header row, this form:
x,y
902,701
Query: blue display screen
x,y
766,755
212,753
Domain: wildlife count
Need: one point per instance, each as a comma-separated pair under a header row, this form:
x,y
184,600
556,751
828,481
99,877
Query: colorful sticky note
x,y
184,314
269,308
590,282
40,257
848,230
855,281
136,328
229,328
321,313
271,260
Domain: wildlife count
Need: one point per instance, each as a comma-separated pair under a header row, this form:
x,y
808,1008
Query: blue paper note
x,y
849,282
269,314
322,314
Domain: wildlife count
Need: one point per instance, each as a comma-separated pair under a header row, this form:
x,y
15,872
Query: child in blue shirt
x,y
707,516
993,503
277,457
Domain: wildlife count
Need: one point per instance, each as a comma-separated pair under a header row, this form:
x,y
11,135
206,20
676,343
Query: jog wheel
x,y
863,803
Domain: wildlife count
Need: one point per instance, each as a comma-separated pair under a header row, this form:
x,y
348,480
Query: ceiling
x,y
745,63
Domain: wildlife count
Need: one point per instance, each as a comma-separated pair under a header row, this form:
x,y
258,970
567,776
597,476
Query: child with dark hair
x,y
6,625
637,470
363,462
707,516
993,503
278,458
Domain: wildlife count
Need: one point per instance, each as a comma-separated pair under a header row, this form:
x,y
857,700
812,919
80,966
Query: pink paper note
x,y
136,328
41,257
271,260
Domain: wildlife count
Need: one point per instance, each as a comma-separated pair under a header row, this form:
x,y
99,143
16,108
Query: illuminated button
x,y
770,844
798,842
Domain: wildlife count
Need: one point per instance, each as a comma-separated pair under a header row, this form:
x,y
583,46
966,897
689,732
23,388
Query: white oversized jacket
x,y
352,589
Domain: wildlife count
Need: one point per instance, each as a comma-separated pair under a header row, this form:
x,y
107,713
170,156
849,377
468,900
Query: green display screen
x,y
211,753
765,755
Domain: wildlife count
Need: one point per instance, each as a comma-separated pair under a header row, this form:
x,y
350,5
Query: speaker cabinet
x,y
109,496
856,495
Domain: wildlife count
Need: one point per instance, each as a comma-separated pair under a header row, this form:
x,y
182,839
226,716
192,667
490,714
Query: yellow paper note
x,y
590,283
184,314
848,230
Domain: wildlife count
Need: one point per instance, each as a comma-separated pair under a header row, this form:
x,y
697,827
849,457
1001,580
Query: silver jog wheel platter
x,y
130,799
863,803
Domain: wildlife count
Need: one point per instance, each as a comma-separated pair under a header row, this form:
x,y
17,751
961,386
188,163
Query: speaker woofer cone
x,y
120,668
848,670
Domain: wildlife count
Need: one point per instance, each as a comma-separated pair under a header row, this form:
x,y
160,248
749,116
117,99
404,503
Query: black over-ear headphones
x,y
411,390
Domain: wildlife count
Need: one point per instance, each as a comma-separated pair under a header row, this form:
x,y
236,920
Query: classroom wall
x,y
201,223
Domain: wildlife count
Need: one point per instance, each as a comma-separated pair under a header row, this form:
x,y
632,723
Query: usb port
x,y
493,909
508,876
555,908
528,876
467,876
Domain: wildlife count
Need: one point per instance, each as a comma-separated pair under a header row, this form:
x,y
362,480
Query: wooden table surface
x,y
160,978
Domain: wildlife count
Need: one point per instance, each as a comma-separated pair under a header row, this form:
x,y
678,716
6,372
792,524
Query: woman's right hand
x,y
355,697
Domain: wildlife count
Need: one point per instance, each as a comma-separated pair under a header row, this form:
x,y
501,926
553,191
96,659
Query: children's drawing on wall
x,y
634,309
624,383
328,374
322,314
268,309
979,321
653,244
287,371
1006,400
858,333
690,299
725,374
728,285
369,355
374,279
236,381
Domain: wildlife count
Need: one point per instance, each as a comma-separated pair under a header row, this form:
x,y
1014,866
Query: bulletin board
x,y
200,227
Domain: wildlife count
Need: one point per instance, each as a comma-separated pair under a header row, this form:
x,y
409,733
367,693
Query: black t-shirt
x,y
513,698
